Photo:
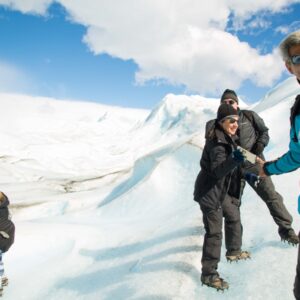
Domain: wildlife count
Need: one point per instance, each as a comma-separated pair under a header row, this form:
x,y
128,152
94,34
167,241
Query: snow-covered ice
x,y
102,201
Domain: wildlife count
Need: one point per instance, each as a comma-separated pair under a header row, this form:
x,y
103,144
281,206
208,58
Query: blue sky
x,y
51,52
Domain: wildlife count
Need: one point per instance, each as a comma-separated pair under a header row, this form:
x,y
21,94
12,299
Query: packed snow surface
x,y
102,199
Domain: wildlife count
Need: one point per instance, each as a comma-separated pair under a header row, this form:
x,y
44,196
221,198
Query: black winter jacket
x,y
252,131
215,179
7,227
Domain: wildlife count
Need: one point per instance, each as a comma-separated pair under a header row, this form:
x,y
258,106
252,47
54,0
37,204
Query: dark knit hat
x,y
225,111
230,94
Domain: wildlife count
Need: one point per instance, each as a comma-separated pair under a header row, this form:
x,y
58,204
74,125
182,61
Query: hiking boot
x,y
289,236
4,281
239,256
215,282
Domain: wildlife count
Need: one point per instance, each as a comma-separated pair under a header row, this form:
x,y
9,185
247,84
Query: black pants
x,y
274,201
213,221
297,278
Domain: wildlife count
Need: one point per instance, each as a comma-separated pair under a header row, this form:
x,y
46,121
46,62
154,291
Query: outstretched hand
x,y
261,163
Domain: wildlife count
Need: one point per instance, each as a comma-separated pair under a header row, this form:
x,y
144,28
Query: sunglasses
x,y
232,120
228,101
295,60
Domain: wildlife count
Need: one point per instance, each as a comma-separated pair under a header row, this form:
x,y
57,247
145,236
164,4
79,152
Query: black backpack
x,y
7,227
295,110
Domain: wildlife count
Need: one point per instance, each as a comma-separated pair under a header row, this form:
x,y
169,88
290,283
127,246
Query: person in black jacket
x,y
253,136
217,191
7,235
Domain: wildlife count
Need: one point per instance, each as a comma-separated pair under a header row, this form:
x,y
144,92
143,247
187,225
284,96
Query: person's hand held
x,y
238,156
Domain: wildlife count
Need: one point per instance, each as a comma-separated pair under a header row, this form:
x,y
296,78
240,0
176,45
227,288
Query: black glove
x,y
258,148
252,178
238,156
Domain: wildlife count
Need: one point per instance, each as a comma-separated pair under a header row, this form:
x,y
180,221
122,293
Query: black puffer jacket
x,y
7,227
252,130
217,175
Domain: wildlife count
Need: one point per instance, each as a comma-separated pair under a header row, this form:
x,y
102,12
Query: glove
x,y
258,148
252,178
238,156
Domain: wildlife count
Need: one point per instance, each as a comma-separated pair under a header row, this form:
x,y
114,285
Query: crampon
x,y
217,283
243,255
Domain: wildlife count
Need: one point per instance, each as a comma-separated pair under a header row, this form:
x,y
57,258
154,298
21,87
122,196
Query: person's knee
x,y
233,214
233,220
213,224
266,190
215,235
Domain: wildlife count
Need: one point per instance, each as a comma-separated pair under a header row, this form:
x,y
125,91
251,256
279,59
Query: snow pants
x,y
274,201
213,223
297,278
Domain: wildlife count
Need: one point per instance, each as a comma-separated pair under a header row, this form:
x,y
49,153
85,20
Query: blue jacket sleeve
x,y
290,161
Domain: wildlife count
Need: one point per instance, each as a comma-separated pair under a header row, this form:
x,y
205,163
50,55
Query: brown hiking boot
x,y
215,282
239,256
289,236
4,280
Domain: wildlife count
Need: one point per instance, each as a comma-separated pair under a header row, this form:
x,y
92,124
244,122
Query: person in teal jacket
x,y
289,161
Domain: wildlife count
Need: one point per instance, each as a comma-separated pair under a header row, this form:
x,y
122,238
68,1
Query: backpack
x,y
7,227
295,110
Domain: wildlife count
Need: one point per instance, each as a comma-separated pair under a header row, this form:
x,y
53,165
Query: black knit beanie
x,y
230,94
226,110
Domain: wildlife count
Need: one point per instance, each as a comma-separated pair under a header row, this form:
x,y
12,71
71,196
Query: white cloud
x,y
244,9
28,6
288,28
13,79
256,25
183,41
282,29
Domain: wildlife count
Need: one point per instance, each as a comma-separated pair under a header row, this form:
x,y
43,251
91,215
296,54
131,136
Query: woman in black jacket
x,y
217,190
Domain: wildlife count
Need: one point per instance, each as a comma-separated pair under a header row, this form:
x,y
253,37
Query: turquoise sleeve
x,y
290,161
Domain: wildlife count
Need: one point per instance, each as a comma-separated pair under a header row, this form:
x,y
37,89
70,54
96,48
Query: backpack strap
x,y
248,114
295,138
295,110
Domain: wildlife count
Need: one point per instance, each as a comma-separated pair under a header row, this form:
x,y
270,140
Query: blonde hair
x,y
291,40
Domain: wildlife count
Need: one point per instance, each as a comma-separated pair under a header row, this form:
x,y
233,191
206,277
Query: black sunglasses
x,y
295,60
228,101
231,120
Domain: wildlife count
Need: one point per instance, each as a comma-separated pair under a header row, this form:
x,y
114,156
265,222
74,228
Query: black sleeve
x,y
221,162
261,128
